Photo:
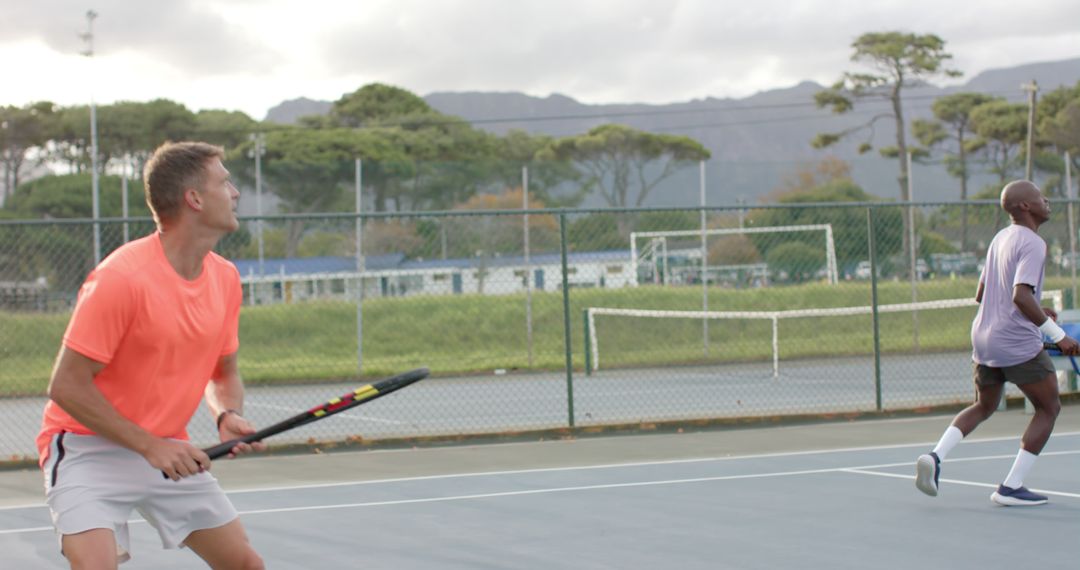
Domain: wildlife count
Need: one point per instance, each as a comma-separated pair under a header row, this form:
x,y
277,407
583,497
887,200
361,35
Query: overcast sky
x,y
250,55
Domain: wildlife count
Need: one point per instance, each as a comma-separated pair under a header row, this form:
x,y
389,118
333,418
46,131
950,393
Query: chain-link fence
x,y
553,318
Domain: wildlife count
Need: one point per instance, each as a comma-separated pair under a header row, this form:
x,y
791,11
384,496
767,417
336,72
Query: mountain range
x,y
755,141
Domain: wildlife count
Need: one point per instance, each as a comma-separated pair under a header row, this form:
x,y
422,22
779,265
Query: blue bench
x,y
1069,320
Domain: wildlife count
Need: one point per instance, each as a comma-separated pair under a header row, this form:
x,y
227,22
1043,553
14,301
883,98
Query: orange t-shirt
x,y
159,335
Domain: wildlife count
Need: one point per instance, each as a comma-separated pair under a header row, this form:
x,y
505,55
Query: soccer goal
x,y
651,249
642,337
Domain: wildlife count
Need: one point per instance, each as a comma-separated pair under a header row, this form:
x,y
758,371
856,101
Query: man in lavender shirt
x,y
1006,339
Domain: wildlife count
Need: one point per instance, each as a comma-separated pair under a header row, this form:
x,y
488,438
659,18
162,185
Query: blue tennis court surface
x,y
761,498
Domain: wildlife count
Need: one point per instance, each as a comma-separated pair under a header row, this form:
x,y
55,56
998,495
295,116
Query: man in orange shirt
x,y
155,329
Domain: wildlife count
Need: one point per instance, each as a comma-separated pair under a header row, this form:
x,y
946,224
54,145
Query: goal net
x,y
667,256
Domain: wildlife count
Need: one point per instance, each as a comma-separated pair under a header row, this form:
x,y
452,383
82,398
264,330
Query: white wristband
x,y
1052,330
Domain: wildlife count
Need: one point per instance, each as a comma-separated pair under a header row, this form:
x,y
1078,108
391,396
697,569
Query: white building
x,y
288,280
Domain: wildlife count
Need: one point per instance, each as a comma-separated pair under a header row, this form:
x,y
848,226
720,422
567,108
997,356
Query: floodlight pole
x,y
1072,226
1032,88
258,151
88,37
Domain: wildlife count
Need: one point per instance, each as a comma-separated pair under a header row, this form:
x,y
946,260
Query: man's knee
x,y
985,408
252,560
91,550
1052,407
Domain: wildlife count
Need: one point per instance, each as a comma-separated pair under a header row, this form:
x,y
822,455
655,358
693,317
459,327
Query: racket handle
x,y
220,450
1050,346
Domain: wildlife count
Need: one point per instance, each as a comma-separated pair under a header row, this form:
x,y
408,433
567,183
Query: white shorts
x,y
91,482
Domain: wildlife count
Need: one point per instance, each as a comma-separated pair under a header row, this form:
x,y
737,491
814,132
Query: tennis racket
x,y
1055,351
358,396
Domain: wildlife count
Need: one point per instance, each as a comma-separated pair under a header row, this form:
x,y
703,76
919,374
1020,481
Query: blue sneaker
x,y
1018,497
927,470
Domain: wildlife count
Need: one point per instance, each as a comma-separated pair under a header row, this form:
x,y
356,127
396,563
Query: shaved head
x,y
1025,203
1018,192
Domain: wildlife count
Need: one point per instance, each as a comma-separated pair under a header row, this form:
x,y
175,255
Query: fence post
x,y
704,264
566,321
359,270
528,267
874,305
588,351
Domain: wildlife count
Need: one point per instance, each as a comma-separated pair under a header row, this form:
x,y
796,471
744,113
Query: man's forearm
x,y
84,402
225,393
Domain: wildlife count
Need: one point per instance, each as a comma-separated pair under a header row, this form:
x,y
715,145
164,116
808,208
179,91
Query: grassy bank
x,y
317,340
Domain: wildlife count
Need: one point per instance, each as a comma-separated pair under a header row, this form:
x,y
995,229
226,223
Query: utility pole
x,y
257,153
88,37
1032,88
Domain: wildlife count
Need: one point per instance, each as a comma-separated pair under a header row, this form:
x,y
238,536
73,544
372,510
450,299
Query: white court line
x,y
348,415
639,464
629,464
863,469
959,482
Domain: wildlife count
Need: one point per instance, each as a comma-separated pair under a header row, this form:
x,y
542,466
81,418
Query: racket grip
x,y
220,450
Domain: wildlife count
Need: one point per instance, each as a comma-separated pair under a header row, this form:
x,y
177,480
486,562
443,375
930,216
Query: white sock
x,y
949,439
1024,461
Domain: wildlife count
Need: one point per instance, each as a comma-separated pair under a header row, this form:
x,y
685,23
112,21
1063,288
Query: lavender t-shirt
x,y
1001,335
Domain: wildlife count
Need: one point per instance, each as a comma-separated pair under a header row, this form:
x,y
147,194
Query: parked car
x,y
862,270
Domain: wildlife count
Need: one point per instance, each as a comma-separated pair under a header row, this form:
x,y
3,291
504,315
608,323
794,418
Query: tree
x,y
953,125
595,232
1001,129
67,196
736,249
795,261
423,158
377,103
450,161
71,138
22,131
228,129
849,224
500,235
807,177
519,149
133,130
1059,126
64,253
307,170
898,60
616,160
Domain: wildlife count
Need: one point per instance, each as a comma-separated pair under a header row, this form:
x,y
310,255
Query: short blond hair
x,y
173,167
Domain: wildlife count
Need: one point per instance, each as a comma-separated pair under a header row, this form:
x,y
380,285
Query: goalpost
x,y
657,246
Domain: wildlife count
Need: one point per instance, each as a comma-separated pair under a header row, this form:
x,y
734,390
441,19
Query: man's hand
x,y
176,459
234,426
1069,346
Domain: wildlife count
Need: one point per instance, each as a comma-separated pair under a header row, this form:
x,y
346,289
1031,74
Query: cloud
x,y
638,50
250,54
188,35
